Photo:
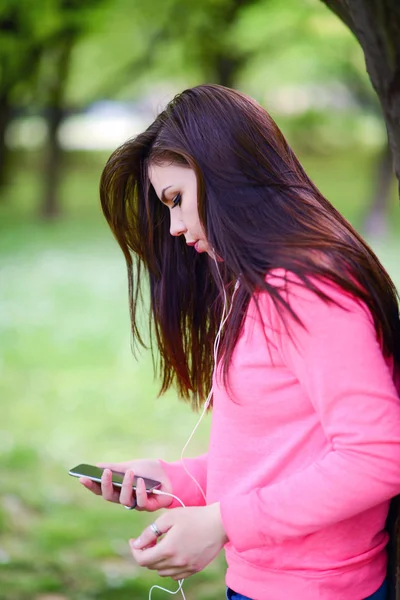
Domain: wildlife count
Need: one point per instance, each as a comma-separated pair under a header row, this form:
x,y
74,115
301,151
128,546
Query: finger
x,y
141,493
148,536
163,564
127,495
153,557
182,576
176,574
107,489
91,485
150,545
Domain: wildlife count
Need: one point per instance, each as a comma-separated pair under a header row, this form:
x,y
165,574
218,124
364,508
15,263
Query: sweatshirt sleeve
x,y
339,364
183,486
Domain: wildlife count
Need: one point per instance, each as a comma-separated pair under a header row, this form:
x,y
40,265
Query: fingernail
x,y
137,543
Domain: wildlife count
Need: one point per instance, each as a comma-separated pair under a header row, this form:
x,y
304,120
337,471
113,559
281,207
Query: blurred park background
x,y
77,79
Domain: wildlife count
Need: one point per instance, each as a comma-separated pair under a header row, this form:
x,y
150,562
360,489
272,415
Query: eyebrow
x,y
163,198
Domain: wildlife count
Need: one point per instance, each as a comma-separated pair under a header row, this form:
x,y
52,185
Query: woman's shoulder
x,y
314,293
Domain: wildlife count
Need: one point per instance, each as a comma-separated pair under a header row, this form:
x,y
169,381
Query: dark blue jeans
x,y
380,594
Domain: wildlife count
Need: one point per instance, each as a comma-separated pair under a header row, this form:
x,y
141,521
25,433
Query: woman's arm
x,y
338,361
183,486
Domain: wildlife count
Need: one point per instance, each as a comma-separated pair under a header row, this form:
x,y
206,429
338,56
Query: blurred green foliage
x,y
297,58
122,47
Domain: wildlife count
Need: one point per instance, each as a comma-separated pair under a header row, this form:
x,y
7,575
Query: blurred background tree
x,y
376,25
215,41
55,71
76,80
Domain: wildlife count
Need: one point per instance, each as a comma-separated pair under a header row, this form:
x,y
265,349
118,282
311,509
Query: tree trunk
x,y
225,62
5,118
226,69
376,220
376,25
53,164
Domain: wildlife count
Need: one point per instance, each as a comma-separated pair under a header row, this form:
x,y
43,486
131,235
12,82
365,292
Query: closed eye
x,y
176,201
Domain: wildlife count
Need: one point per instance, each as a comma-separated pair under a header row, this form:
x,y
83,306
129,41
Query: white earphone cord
x,y
207,402
224,318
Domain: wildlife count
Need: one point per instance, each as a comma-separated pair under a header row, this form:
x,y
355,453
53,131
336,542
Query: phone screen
x,y
95,473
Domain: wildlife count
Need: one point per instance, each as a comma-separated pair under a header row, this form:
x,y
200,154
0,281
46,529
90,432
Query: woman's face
x,y
176,187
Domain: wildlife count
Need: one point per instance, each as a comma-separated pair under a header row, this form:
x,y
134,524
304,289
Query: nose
x,y
177,226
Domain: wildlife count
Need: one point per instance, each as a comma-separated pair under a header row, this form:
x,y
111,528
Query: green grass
x,y
71,391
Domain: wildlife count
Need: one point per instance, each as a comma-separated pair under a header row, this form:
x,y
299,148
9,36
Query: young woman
x,y
210,205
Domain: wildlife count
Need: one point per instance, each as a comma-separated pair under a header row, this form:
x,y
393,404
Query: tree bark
x,y
376,25
376,219
53,164
223,63
226,69
5,118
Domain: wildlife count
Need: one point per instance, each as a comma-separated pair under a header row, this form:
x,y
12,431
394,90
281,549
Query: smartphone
x,y
95,473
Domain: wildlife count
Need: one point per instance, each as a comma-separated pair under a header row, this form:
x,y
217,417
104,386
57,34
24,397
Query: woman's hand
x,y
193,538
126,495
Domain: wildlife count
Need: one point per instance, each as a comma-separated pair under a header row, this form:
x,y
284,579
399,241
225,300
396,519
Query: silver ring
x,y
155,530
131,507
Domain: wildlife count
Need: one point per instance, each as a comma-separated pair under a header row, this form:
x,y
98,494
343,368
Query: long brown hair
x,y
260,211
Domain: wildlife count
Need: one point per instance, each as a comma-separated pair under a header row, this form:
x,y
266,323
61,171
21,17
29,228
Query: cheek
x,y
196,229
191,219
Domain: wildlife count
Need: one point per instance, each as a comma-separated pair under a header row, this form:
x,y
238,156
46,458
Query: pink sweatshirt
x,y
305,456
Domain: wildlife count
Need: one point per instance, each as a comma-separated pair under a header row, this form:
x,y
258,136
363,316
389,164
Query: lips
x,y
195,244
